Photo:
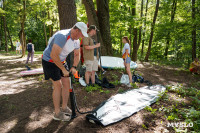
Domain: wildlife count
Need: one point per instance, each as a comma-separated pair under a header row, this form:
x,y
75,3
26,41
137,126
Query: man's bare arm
x,y
56,50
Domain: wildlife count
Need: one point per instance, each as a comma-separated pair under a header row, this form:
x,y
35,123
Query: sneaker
x,y
67,111
61,117
129,85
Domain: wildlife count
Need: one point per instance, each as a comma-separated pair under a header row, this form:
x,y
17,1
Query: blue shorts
x,y
128,60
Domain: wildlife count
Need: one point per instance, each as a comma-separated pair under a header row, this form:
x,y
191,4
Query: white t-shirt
x,y
62,39
126,46
18,44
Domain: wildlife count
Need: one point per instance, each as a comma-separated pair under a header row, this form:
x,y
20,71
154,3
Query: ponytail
x,y
127,40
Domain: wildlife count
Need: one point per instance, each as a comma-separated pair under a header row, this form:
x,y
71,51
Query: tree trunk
x,y
23,36
50,26
67,13
12,47
5,34
1,32
135,44
135,47
152,31
193,31
68,18
45,34
140,30
104,26
173,10
144,29
92,17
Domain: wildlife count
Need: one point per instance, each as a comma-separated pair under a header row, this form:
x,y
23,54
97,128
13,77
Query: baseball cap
x,y
93,27
83,27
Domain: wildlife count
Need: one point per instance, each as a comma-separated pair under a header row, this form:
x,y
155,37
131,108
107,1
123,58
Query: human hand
x,y
98,45
73,70
65,73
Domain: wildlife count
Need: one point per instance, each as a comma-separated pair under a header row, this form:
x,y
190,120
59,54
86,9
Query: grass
x,y
176,111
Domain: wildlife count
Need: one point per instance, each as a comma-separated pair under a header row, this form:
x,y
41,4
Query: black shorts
x,y
51,70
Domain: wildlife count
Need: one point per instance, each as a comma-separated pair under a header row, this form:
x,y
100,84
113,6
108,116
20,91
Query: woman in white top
x,y
126,58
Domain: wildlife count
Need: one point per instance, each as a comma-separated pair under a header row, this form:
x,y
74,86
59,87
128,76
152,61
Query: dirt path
x,y
26,102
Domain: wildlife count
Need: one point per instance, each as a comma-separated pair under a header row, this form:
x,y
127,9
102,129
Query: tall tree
x,y
68,17
152,31
193,31
5,31
144,28
67,13
104,25
173,11
92,16
135,33
12,47
140,29
22,32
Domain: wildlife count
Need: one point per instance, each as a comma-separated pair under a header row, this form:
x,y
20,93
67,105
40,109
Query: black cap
x,y
93,27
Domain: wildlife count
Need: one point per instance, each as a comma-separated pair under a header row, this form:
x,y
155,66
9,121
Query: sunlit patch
x,y
137,119
175,83
12,87
160,129
141,66
8,125
177,98
161,79
39,119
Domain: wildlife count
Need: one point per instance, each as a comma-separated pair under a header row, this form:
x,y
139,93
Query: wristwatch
x,y
74,67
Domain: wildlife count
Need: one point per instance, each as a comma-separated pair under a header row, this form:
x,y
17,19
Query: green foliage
x,y
150,109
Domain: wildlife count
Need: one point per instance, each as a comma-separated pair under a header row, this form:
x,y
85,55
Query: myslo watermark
x,y
179,124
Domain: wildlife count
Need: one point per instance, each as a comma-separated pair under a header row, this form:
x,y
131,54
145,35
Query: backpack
x,y
137,78
29,47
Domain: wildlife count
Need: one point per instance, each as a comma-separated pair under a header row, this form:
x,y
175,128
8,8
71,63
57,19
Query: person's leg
x,y
32,55
28,56
128,70
88,72
94,69
93,77
56,95
87,77
65,91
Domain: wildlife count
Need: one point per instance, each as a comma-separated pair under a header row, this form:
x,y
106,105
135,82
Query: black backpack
x,y
29,47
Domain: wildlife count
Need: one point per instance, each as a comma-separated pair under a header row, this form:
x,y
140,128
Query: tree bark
x,y
152,31
140,29
92,17
144,29
135,44
45,34
193,31
67,13
68,18
104,26
173,10
5,34
23,36
12,47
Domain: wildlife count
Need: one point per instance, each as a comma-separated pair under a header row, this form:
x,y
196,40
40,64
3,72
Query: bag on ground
x,y
124,79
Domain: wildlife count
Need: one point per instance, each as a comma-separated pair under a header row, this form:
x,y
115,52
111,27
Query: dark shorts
x,y
51,70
